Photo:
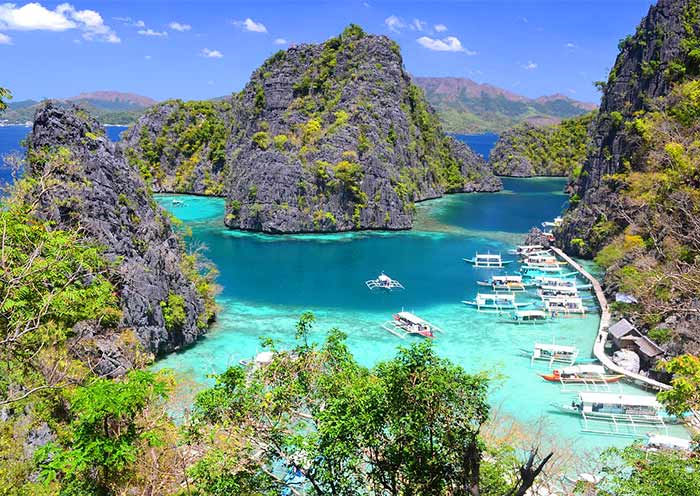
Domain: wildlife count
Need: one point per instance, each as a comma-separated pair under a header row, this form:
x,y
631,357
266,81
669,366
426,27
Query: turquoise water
x,y
268,281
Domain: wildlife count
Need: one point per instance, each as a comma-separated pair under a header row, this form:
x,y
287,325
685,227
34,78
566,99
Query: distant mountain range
x,y
467,107
464,106
109,107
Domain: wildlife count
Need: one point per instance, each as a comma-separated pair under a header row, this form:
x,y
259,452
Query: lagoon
x,y
269,280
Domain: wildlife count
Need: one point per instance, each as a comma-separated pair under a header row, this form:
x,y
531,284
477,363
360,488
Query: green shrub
x,y
174,312
262,140
280,141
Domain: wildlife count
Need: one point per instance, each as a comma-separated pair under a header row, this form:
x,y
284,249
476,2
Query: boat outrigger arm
x,y
383,281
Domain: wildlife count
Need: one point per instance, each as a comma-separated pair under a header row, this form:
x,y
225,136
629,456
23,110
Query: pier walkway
x,y
602,337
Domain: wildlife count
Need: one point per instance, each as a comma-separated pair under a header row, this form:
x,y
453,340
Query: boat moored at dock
x,y
524,250
505,283
624,414
550,352
406,323
531,317
582,374
564,306
487,260
495,302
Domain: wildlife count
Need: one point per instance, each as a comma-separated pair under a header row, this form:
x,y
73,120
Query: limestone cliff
x,y
327,137
81,181
636,201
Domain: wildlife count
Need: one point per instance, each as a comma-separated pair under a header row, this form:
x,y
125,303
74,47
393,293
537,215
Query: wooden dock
x,y
602,337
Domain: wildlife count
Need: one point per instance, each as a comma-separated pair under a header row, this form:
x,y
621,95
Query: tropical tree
x,y
684,396
634,472
409,426
4,95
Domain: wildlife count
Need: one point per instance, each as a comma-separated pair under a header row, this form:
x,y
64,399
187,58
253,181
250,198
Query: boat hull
x,y
583,380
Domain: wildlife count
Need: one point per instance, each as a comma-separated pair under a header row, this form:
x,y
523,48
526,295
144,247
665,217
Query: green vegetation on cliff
x,y
557,150
653,250
187,154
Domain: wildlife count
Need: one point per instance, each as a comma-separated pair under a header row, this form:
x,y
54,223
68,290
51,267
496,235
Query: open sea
x,y
269,281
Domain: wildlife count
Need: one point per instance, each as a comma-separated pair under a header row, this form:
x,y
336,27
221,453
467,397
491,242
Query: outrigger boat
x,y
541,270
554,291
554,223
505,283
560,282
495,302
544,259
619,410
531,317
178,203
383,281
524,250
563,305
405,323
487,260
552,353
582,374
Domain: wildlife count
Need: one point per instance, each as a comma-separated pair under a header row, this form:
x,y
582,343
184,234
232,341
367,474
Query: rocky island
x,y
79,181
527,150
327,137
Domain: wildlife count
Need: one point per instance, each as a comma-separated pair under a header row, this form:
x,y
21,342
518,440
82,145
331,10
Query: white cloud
x,y
177,26
5,40
440,28
151,32
571,45
211,54
280,41
250,25
394,23
139,24
35,17
448,44
147,57
530,66
418,25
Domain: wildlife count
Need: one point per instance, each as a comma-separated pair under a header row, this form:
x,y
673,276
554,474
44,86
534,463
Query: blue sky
x,y
203,49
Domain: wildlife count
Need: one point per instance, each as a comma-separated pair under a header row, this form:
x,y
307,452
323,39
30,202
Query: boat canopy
x,y
619,399
487,256
492,296
413,319
584,369
523,314
505,279
668,442
561,289
555,348
384,278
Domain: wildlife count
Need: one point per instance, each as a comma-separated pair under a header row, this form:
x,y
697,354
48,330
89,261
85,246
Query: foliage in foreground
x,y
407,426
634,472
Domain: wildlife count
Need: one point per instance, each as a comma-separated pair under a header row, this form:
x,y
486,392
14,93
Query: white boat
x,y
406,323
554,353
560,282
383,281
554,291
531,317
658,441
523,250
623,413
564,306
178,203
487,260
538,270
557,221
504,283
543,259
495,302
